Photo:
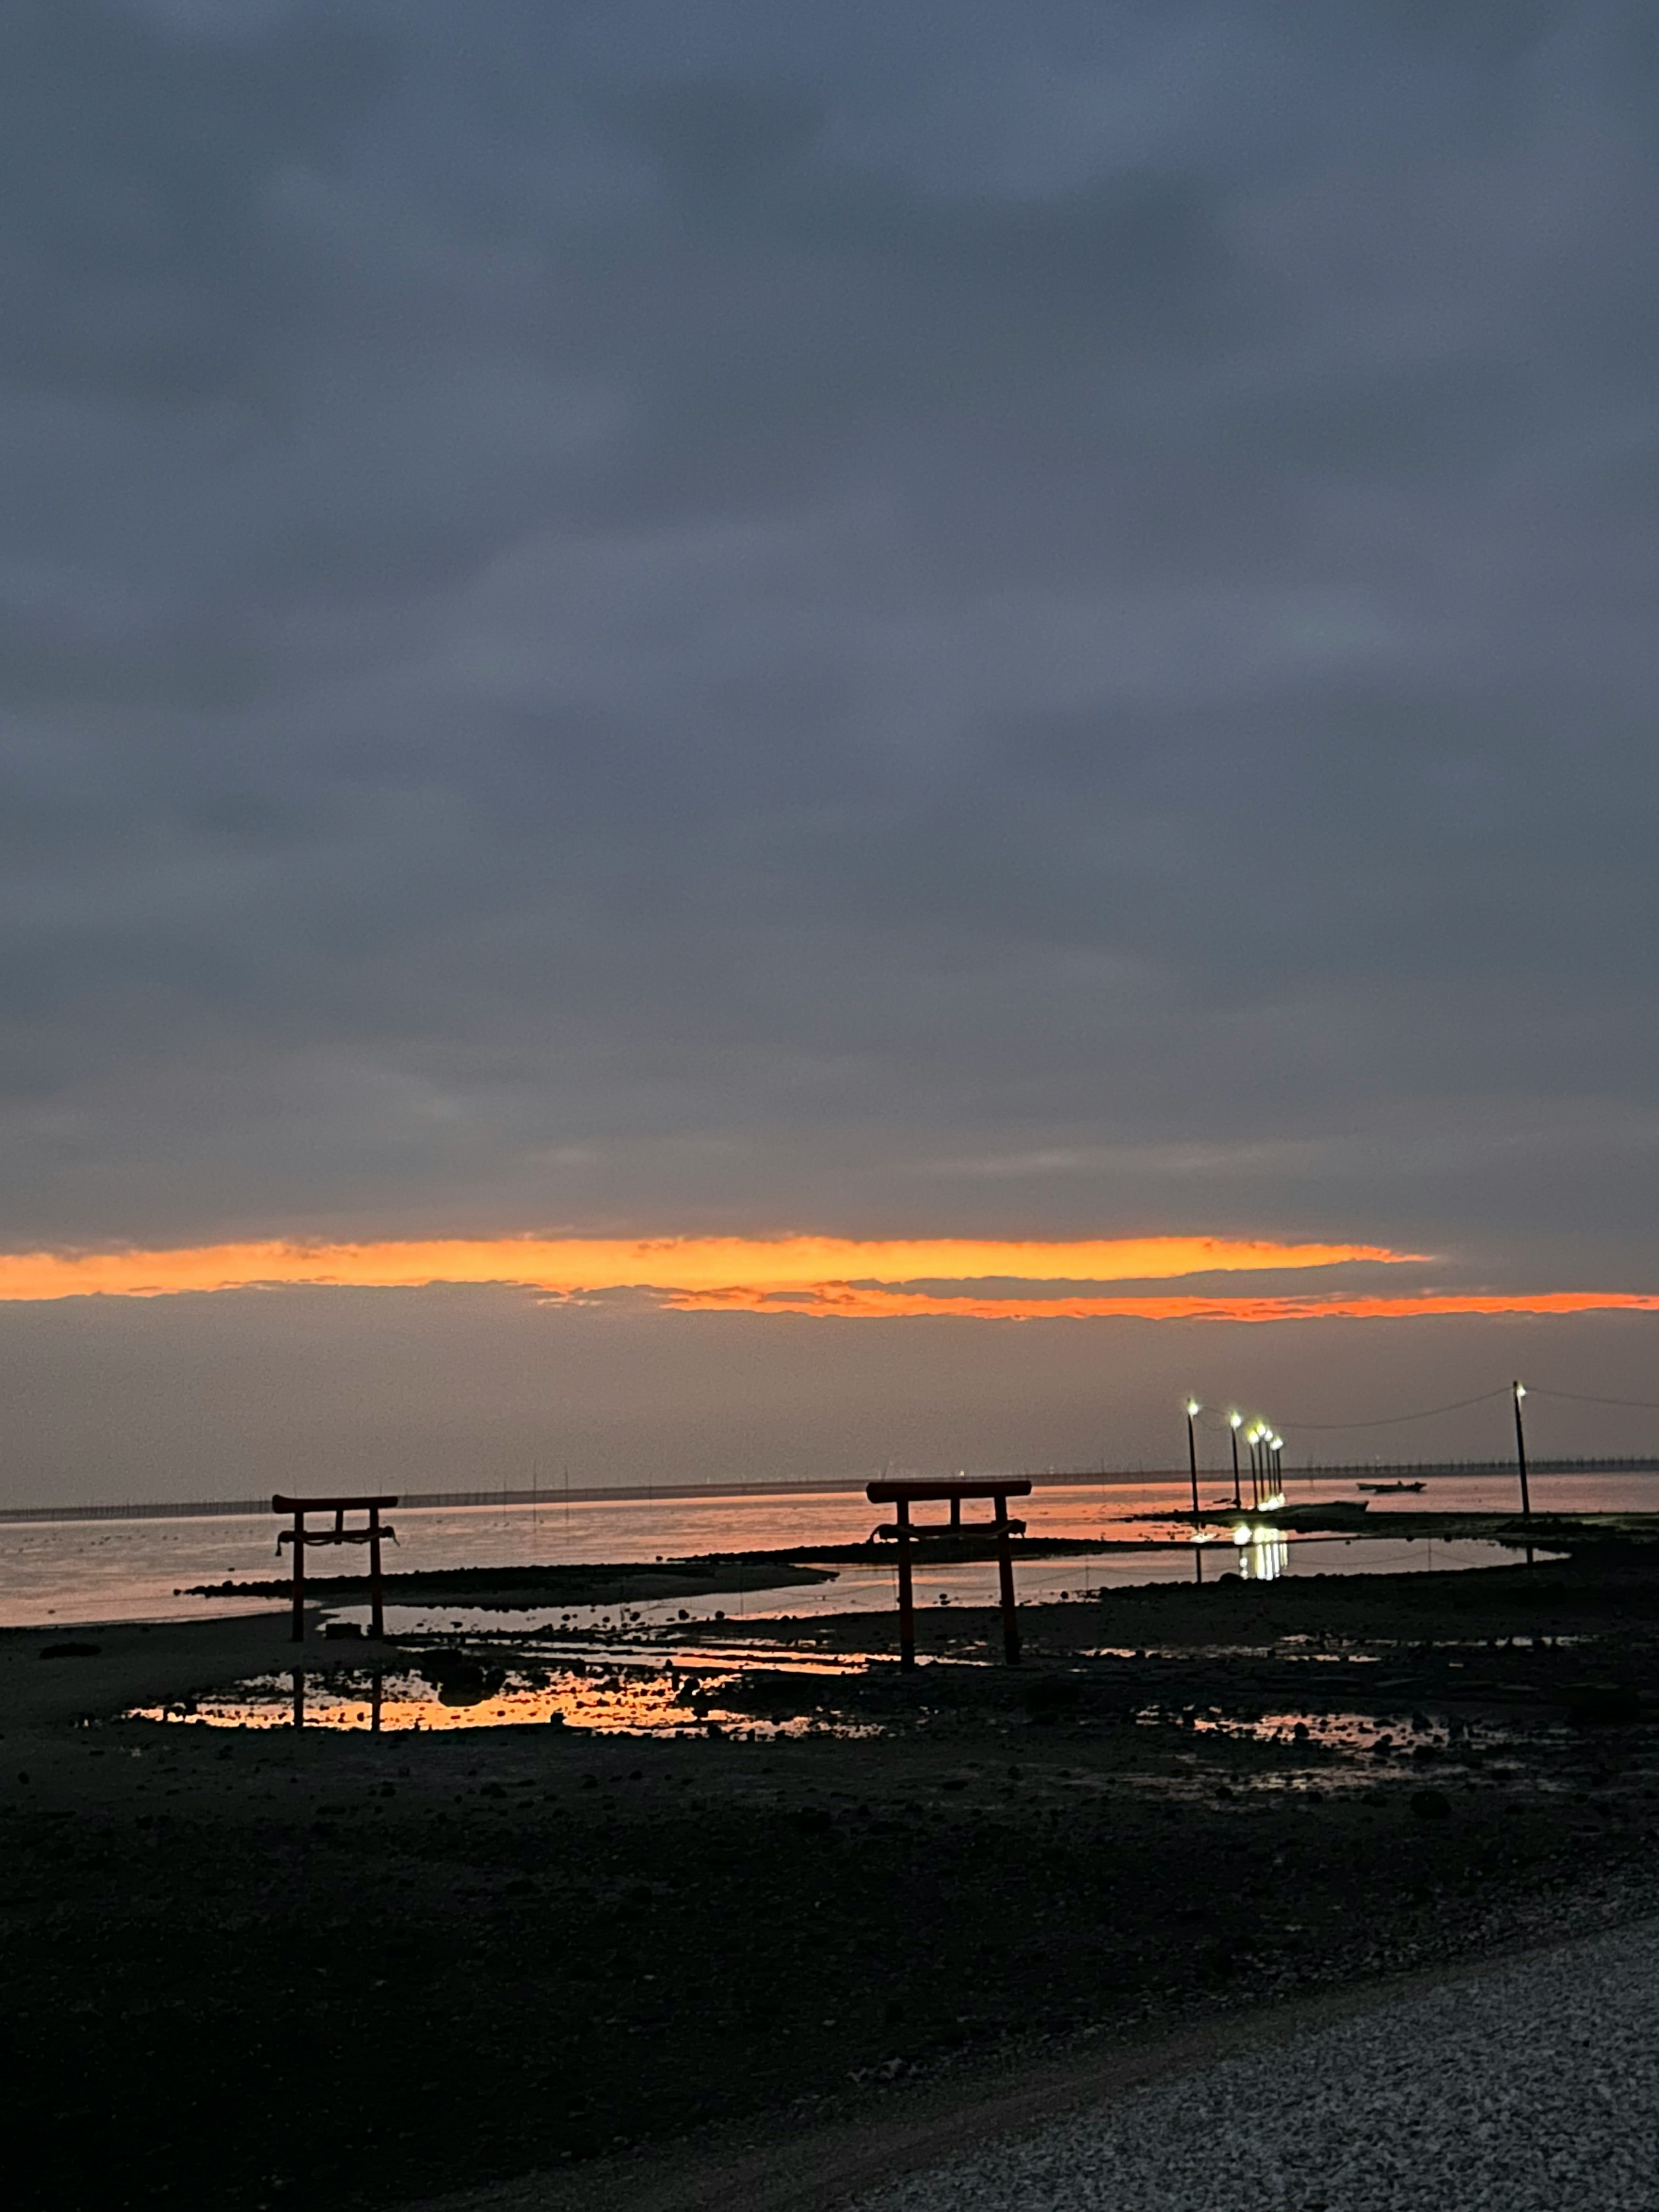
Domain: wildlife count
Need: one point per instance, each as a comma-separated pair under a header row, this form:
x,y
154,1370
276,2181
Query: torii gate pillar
x,y
298,1535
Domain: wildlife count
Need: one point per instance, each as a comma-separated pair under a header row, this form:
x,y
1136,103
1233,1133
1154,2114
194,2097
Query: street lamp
x,y
1235,1422
1194,1409
1520,1390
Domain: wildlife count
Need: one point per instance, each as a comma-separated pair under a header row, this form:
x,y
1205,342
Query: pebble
x,y
1532,2087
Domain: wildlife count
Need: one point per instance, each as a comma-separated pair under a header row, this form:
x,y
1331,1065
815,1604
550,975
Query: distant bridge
x,y
1363,1470
556,1494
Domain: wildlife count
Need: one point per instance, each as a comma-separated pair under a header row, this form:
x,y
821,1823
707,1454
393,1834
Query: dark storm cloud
x,y
1035,619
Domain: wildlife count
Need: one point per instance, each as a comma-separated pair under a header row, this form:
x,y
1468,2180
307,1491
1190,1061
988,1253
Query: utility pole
x,y
1193,1411
1520,1391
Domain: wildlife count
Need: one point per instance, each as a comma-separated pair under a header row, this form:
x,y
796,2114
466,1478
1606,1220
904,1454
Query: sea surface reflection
x,y
142,1570
1264,1556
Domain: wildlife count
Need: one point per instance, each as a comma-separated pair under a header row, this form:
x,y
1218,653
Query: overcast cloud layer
x,y
1026,619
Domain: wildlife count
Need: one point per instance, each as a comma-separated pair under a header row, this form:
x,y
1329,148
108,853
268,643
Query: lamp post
x,y
1235,1422
1276,1445
1192,1411
1520,1390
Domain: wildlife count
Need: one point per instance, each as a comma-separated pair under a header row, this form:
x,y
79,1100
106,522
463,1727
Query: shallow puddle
x,y
469,1694
1355,1733
1254,1554
1351,1746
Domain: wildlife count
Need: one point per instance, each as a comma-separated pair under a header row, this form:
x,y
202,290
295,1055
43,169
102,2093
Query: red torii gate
x,y
902,1493
298,1535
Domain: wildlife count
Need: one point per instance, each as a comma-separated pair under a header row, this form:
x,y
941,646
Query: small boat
x,y
1389,1489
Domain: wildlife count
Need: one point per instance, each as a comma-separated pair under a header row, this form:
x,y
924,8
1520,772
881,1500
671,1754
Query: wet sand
x,y
557,1588
626,1966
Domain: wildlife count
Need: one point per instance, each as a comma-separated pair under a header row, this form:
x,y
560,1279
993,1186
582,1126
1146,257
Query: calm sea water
x,y
87,1571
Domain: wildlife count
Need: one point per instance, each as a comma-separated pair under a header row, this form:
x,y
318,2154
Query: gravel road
x,y
1534,2087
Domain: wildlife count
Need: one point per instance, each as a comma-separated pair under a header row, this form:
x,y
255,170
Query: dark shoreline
x,y
584,1582
605,1959
503,1588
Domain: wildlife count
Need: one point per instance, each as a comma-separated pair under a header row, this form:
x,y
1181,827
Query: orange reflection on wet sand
x,y
638,1702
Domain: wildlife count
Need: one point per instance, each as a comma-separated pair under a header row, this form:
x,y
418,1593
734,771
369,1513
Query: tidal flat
x,y
579,1966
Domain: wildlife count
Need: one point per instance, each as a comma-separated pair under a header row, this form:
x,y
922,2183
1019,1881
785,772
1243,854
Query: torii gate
x,y
902,1493
298,1535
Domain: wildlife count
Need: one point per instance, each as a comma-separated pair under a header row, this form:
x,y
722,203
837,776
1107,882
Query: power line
x,y
1432,1412
1391,1420
1586,1398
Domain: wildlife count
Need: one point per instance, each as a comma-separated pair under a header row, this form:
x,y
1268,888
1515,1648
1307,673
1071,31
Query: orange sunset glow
x,y
687,1270
854,1303
832,1277
684,1268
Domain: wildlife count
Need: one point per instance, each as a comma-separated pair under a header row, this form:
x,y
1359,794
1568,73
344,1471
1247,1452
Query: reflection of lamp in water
x,y
1235,1422
1263,1553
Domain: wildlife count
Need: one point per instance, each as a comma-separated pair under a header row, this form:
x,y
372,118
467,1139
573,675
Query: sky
x,y
765,736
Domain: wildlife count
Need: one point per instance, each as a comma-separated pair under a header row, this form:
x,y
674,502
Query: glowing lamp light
x,y
1236,1419
1520,1389
1194,1409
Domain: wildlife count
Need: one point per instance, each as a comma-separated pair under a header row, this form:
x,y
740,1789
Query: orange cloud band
x,y
854,1302
722,1269
828,1277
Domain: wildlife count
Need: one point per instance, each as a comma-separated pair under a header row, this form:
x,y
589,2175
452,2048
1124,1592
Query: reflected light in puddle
x,y
633,1701
1383,1741
1264,1554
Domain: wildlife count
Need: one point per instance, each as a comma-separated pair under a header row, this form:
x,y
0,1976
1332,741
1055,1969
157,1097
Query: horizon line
x,y
554,1497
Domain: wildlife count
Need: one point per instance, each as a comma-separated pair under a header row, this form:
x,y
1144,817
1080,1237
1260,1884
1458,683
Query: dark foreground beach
x,y
541,1967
